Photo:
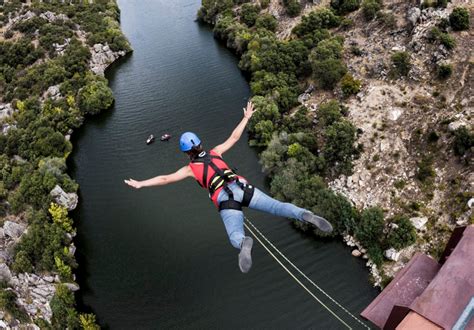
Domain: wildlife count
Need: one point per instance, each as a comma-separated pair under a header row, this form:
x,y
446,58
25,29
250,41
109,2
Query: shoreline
x,y
37,289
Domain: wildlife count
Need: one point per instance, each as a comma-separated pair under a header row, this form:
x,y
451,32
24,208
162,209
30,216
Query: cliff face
x,y
53,62
413,110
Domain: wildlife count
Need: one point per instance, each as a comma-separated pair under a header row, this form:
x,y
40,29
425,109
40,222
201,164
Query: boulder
x,y
356,253
97,47
72,286
392,254
419,222
470,203
13,229
6,110
456,125
5,273
413,15
68,200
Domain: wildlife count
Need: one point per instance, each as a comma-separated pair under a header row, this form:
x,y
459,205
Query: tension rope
x,y
248,224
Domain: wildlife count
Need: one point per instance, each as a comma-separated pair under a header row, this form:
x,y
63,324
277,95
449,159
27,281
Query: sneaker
x,y
245,255
319,222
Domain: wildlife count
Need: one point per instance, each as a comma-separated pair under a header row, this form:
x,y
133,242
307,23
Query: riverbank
x,y
317,72
53,62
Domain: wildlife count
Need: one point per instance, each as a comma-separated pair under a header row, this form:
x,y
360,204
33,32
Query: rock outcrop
x,y
102,57
68,200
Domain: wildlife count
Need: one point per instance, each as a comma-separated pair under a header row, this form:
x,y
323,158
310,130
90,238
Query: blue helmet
x,y
188,140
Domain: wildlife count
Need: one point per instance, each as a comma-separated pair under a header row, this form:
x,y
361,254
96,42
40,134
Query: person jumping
x,y
229,191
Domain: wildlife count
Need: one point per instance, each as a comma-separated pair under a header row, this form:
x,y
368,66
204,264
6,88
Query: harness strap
x,y
230,204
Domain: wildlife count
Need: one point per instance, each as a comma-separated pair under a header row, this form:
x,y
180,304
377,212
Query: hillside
x,y
386,122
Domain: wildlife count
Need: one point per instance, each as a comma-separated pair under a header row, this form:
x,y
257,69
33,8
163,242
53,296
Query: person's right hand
x,y
133,183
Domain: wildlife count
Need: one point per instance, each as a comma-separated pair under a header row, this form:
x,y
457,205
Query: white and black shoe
x,y
245,255
321,223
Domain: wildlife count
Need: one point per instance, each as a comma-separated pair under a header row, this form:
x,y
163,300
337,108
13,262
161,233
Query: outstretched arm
x,y
237,133
161,180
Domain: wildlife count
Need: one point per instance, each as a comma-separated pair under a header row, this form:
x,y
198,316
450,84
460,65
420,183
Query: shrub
x,y
447,41
339,147
425,169
95,96
370,8
459,19
8,304
22,263
267,21
369,230
319,19
349,85
329,113
463,141
401,63
402,236
62,306
264,3
343,7
445,71
249,14
293,7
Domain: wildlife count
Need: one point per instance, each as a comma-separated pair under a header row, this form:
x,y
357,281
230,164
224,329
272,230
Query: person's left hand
x,y
133,183
248,112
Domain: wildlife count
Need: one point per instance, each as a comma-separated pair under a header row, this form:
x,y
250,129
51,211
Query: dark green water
x,y
159,258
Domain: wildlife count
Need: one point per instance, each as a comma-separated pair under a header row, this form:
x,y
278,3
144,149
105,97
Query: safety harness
x,y
221,178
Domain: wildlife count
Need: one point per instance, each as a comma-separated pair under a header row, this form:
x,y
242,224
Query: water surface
x,y
159,258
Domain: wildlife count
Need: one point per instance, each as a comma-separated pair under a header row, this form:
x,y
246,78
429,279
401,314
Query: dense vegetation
x,y
35,149
297,151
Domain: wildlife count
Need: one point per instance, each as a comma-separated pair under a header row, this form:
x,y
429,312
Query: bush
x,y
343,7
328,67
8,304
425,169
293,7
95,96
319,19
445,71
463,141
267,21
401,64
339,148
62,306
370,8
249,14
22,263
459,19
349,85
328,113
402,236
369,230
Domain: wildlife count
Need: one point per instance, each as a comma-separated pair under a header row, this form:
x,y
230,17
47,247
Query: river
x,y
159,258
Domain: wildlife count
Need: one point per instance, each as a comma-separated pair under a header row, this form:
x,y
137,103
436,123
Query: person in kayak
x,y
229,191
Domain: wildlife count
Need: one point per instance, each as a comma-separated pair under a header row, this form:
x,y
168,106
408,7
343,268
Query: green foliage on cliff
x,y
343,7
293,7
463,141
34,151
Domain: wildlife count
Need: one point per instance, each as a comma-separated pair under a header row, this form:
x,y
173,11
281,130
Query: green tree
x,y
343,7
350,85
267,21
370,8
339,148
62,305
369,230
403,235
95,96
249,14
293,7
401,64
463,141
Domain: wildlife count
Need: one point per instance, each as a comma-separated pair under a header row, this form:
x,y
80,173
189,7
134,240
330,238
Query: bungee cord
x,y
302,274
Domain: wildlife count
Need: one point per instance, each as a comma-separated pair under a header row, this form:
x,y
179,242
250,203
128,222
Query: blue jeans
x,y
234,219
